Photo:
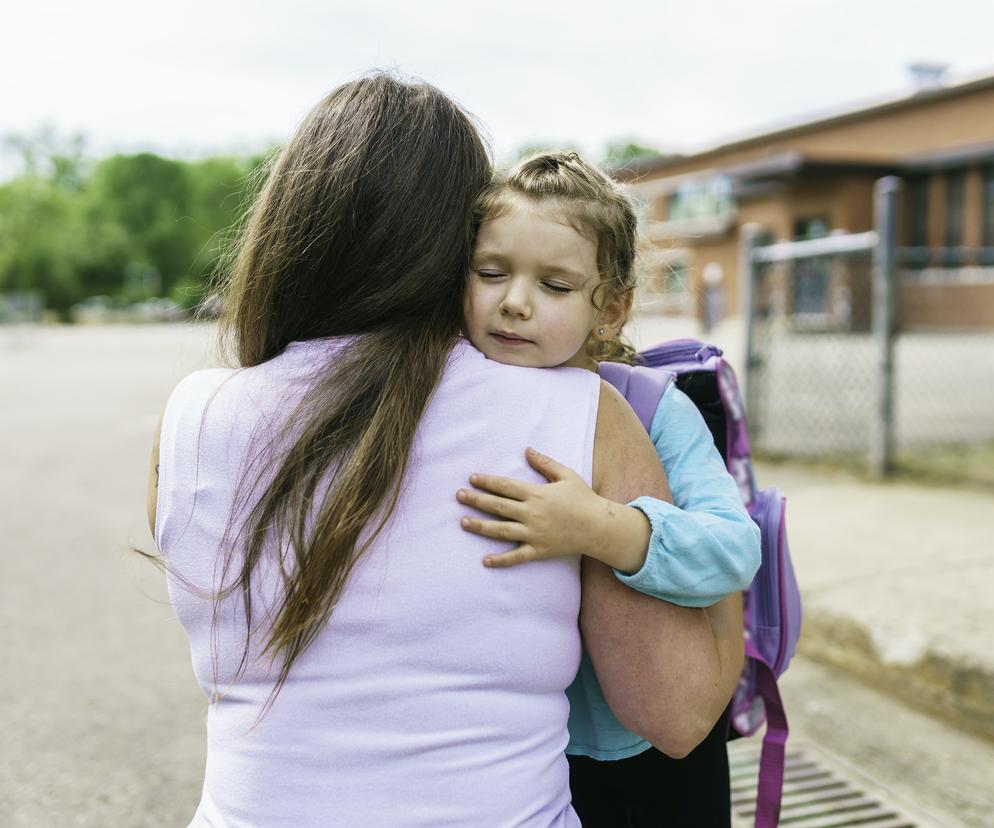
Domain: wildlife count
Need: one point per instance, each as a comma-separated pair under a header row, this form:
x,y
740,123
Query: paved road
x,y
100,714
102,720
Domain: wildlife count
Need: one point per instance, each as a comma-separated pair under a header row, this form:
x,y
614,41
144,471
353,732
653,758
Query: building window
x,y
810,228
918,211
675,278
810,275
955,185
702,199
988,210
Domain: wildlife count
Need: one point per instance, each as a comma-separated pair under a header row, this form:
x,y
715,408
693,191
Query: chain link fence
x,y
813,373
838,365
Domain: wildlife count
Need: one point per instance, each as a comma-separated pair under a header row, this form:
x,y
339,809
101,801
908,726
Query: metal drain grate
x,y
818,792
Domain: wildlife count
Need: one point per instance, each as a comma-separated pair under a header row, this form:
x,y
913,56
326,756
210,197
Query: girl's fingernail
x,y
530,450
461,494
465,521
488,561
473,478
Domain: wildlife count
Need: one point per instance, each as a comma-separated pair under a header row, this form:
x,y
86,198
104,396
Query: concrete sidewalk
x,y
897,586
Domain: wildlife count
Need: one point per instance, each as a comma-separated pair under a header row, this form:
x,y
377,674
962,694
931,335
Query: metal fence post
x,y
748,273
886,193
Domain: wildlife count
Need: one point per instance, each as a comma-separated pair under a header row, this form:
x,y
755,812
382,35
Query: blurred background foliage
x,y
130,227
127,227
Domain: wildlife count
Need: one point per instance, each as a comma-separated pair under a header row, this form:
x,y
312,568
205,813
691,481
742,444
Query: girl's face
x,y
529,298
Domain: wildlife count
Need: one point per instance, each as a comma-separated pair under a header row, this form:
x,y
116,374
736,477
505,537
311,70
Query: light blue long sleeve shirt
x,y
703,546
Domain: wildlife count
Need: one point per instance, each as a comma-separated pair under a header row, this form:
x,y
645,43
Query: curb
x,y
948,688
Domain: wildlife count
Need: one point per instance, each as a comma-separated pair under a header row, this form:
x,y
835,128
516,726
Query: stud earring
x,y
600,331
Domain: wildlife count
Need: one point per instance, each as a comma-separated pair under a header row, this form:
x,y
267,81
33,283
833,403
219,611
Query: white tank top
x,y
435,694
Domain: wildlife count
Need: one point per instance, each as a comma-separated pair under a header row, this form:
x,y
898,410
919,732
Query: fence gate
x,y
830,369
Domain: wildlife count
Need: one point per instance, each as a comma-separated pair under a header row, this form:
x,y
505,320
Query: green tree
x,y
129,226
220,190
46,154
42,237
149,197
40,218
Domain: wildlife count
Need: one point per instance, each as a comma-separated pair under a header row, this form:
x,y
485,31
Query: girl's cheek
x,y
563,329
476,293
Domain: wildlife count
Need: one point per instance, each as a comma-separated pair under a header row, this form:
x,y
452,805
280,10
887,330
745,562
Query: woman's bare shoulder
x,y
152,482
625,461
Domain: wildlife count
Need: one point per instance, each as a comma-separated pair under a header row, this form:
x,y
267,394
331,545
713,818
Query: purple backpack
x,y
773,602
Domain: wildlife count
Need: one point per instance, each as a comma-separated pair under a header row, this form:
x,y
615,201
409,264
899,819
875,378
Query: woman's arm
x,y
666,671
152,487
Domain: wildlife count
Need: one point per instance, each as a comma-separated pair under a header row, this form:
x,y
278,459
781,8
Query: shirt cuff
x,y
655,512
671,578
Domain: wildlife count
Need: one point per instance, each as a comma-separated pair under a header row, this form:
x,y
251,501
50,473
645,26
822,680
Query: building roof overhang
x,y
948,157
763,175
654,166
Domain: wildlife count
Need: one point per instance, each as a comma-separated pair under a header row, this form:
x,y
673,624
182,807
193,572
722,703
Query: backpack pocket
x,y
772,612
773,601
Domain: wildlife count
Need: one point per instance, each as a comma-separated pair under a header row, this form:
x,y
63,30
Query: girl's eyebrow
x,y
491,255
557,270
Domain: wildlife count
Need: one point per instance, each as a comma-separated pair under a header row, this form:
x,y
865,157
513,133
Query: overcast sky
x,y
194,76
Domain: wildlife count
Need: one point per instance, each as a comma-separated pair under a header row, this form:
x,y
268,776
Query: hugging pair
x,y
371,652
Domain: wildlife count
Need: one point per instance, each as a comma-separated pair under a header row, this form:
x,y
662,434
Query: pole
x,y
886,193
748,275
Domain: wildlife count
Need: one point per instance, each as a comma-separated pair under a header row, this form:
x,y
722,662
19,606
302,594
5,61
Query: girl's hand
x,y
550,520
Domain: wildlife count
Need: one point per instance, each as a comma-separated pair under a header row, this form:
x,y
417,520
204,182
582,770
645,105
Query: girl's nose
x,y
515,301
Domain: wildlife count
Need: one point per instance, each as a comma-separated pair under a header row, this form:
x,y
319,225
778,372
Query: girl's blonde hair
x,y
590,202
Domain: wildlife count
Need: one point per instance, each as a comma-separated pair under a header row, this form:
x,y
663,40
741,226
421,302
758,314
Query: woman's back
x,y
435,694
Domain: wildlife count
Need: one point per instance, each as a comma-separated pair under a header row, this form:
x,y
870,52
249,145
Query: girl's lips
x,y
510,340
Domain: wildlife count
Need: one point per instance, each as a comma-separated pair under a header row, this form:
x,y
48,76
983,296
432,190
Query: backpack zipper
x,y
782,581
683,350
773,610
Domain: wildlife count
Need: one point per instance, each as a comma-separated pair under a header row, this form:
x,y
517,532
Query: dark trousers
x,y
651,790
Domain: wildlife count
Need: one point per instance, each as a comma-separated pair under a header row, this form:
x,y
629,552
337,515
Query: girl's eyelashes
x,y
555,287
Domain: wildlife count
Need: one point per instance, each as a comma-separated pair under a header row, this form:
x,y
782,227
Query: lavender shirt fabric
x,y
435,695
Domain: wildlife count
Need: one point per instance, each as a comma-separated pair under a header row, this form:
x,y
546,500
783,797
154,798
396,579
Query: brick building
x,y
817,178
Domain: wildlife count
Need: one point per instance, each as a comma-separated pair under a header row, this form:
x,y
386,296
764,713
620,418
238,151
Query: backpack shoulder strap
x,y
772,757
643,387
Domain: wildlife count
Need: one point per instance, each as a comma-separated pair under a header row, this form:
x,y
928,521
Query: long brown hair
x,y
362,228
594,205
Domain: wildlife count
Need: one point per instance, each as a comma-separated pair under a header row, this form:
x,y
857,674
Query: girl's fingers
x,y
503,486
505,530
553,470
519,555
491,504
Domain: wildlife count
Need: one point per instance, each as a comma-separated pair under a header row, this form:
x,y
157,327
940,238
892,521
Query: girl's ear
x,y
614,314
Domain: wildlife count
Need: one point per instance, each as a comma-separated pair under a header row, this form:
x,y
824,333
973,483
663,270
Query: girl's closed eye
x,y
558,288
489,274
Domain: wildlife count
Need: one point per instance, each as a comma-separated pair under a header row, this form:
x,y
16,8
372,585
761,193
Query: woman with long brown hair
x,y
361,664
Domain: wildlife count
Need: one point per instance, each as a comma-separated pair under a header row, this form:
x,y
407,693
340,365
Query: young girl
x,y
551,284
